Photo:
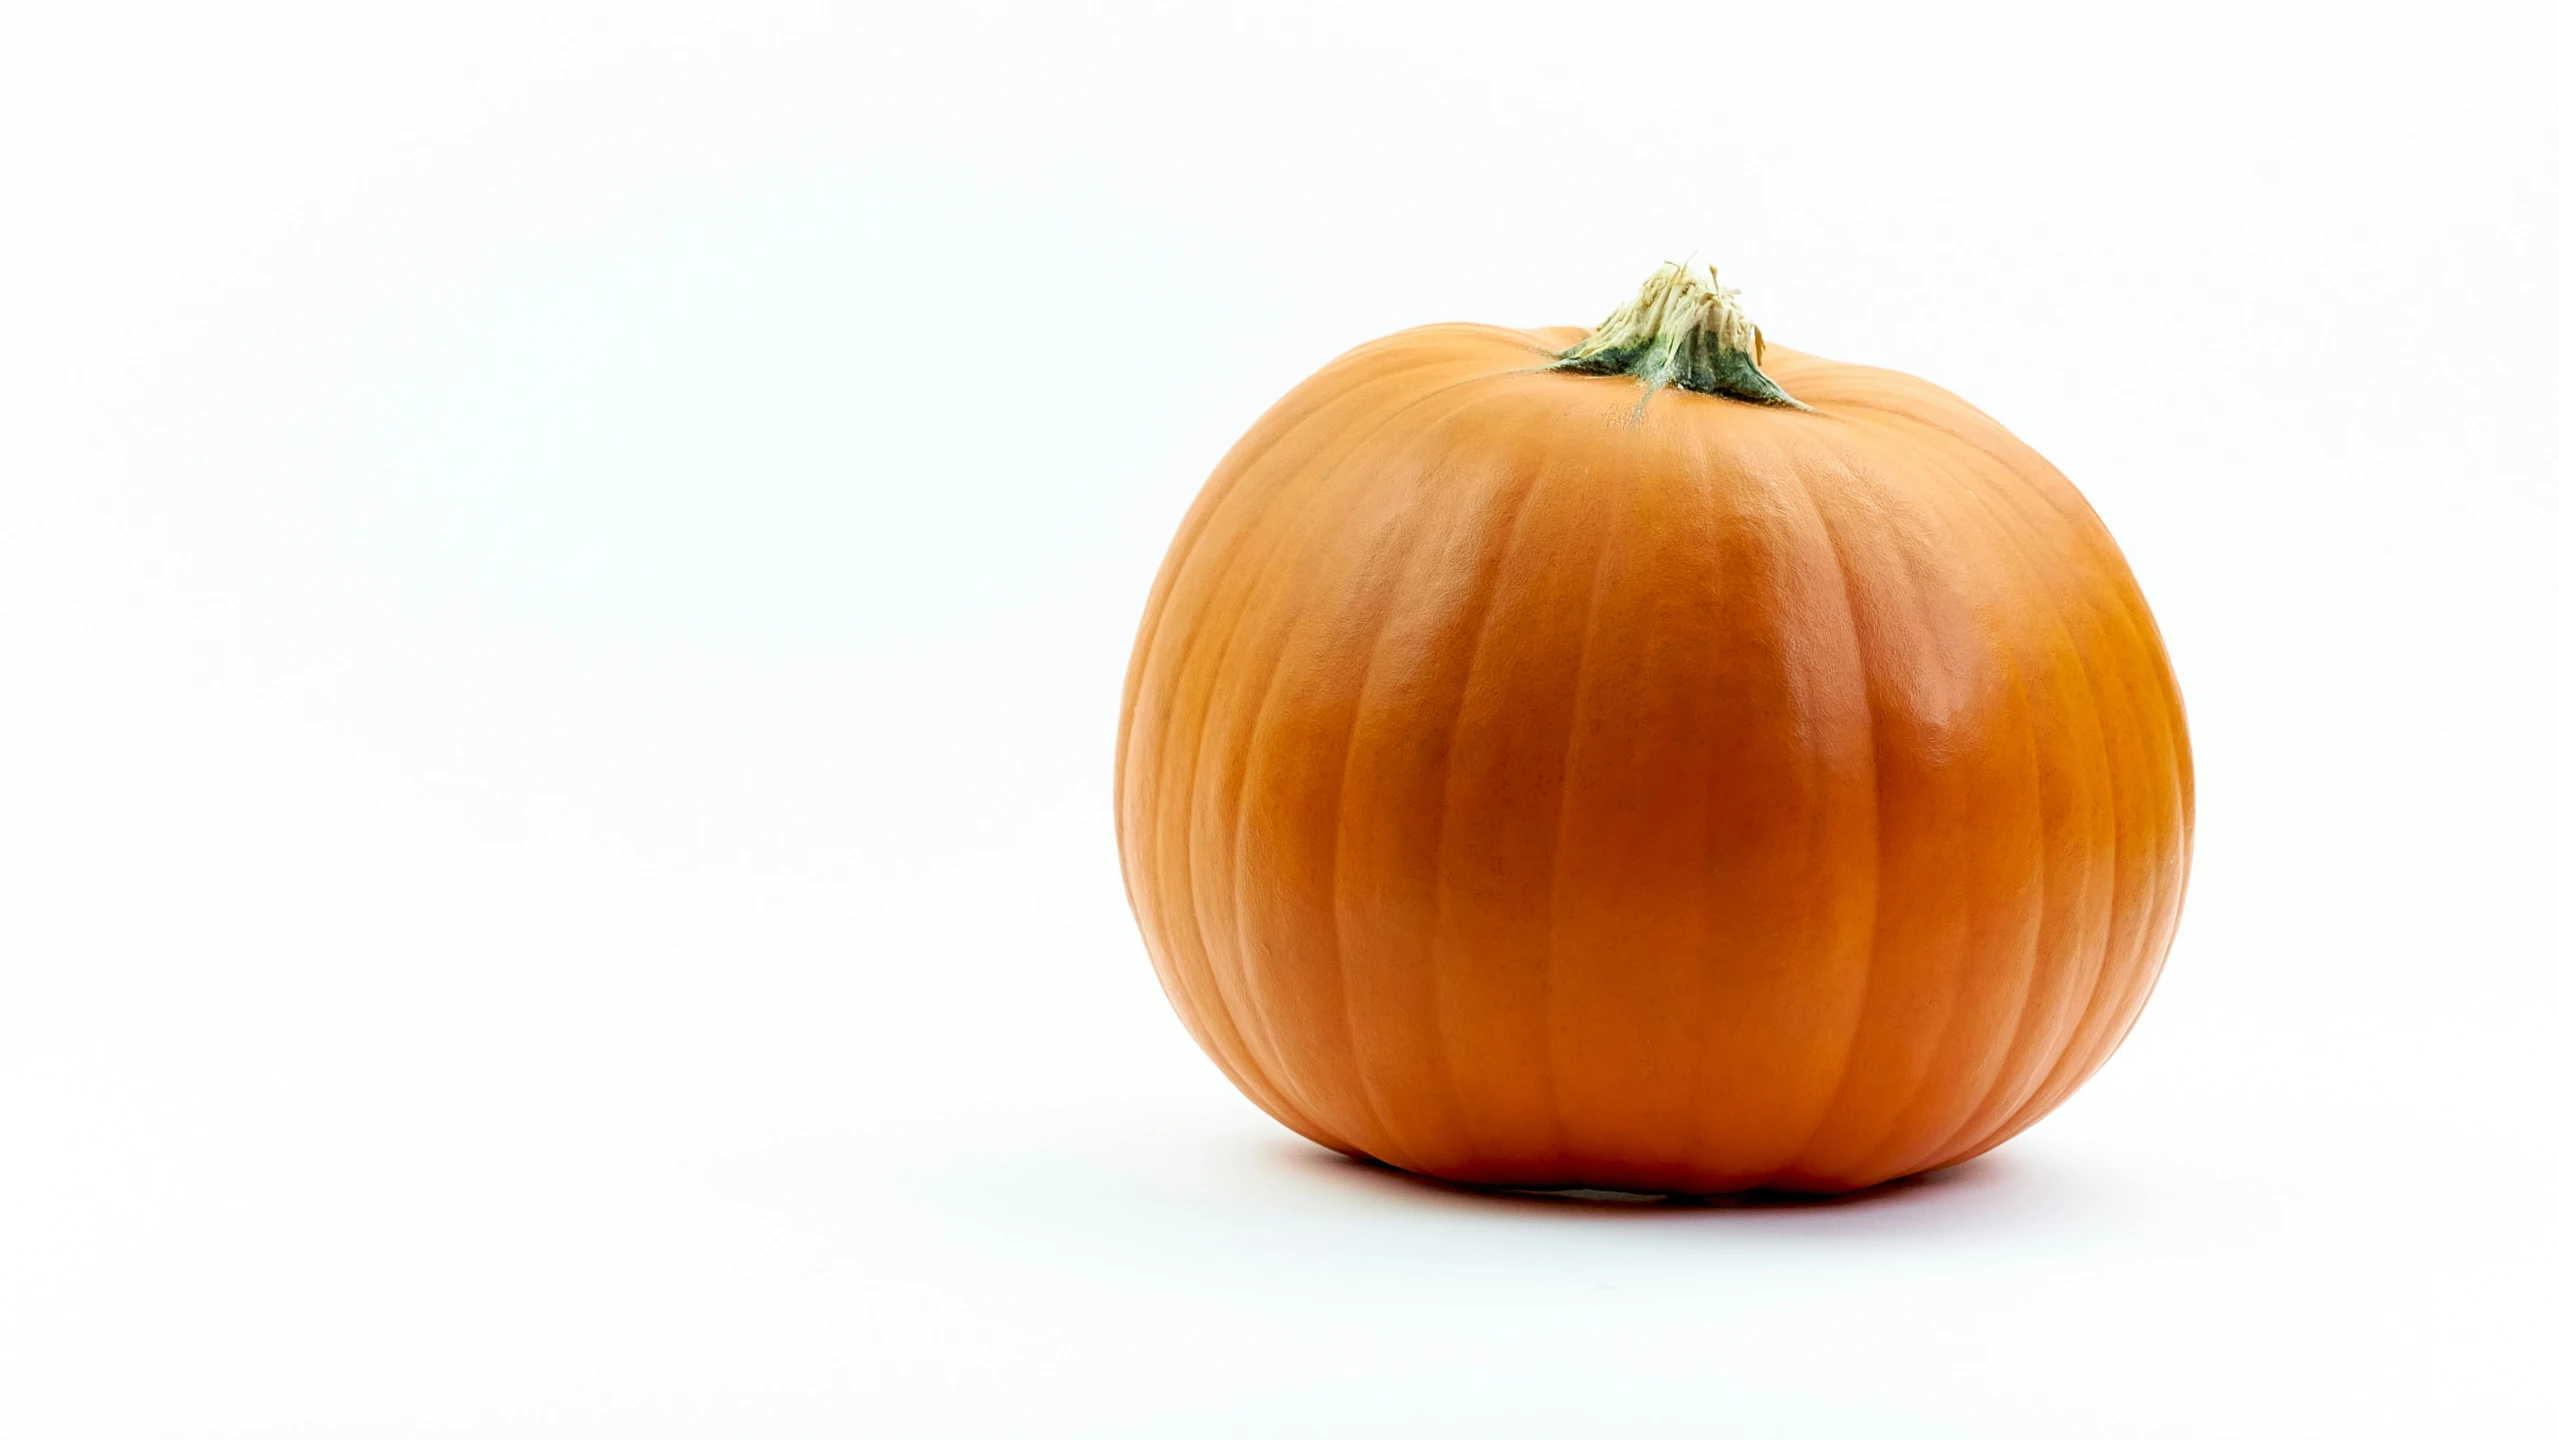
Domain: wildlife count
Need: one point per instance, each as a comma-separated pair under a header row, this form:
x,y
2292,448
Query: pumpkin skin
x,y
1530,781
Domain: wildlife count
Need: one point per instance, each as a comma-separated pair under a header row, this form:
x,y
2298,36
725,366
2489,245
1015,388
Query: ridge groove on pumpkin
x,y
1566,1164
1250,529
2021,981
2002,1077
1519,490
2123,956
1874,862
1242,758
2110,954
1139,713
2007,517
1217,1031
1398,465
2017,574
2106,1017
1495,590
1932,677
2129,629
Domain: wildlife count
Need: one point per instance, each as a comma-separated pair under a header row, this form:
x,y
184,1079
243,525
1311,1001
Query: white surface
x,y
563,588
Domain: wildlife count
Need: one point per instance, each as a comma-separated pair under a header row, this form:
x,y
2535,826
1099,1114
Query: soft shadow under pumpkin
x,y
1971,1174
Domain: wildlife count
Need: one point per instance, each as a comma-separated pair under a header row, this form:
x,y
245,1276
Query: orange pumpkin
x,y
1649,760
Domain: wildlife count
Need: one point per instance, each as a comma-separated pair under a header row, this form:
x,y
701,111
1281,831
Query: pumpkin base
x,y
1770,1192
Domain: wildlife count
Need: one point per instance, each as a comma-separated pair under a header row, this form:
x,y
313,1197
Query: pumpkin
x,y
1650,760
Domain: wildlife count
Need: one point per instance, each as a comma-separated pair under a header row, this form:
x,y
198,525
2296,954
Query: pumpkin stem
x,y
1684,332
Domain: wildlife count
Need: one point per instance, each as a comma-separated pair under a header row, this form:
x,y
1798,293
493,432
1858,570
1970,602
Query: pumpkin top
x,y
1683,332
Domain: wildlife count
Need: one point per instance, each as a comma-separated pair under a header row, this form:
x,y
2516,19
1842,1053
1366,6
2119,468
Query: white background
x,y
564,580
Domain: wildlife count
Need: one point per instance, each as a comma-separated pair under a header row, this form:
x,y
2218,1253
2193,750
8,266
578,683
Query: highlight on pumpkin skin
x,y
1682,332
